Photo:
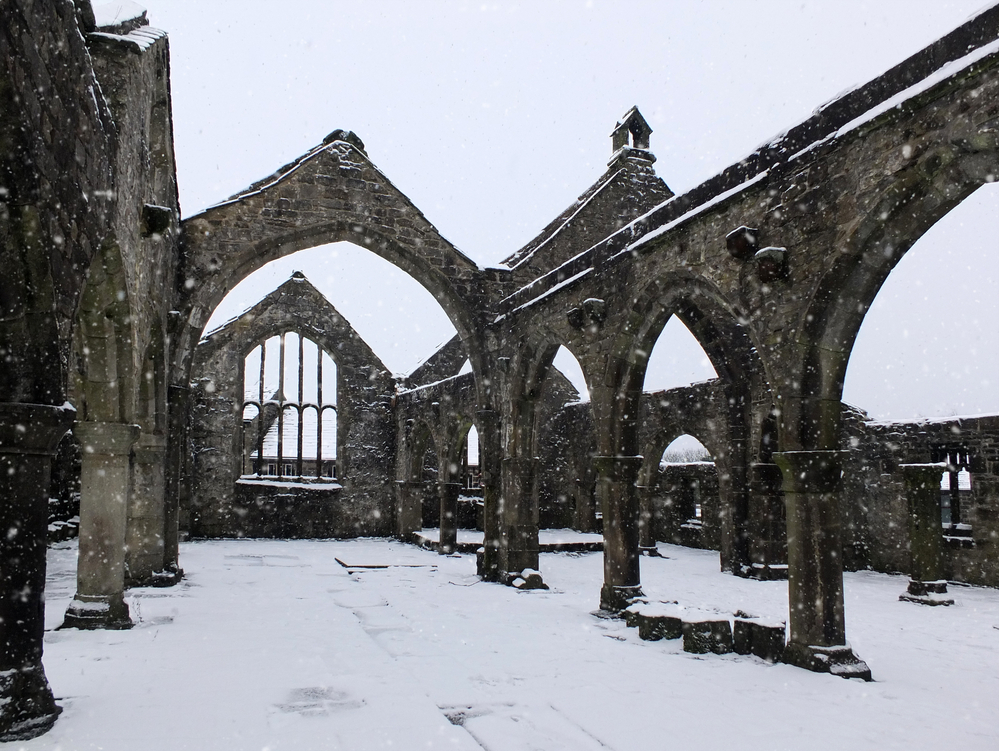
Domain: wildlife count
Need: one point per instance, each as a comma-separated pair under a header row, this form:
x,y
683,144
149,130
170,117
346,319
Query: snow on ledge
x,y
253,480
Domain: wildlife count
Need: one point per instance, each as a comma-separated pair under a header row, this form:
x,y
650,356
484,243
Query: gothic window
x,y
955,490
289,411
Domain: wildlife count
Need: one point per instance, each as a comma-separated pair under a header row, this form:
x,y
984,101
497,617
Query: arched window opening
x,y
566,363
289,411
928,346
472,461
429,474
685,450
956,507
677,359
367,291
686,492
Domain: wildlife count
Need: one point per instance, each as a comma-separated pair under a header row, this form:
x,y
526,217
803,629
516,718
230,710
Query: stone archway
x,y
365,430
333,193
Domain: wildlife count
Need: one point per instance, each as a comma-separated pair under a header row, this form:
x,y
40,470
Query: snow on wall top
x,y
947,57
116,14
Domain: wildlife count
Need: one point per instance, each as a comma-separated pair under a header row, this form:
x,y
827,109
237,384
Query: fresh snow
x,y
276,645
545,536
112,14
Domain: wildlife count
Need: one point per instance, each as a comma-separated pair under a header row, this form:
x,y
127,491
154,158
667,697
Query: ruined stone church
x,y
284,422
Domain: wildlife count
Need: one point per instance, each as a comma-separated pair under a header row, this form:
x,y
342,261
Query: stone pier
x,y
927,584
646,527
408,508
519,514
104,492
768,531
145,558
618,498
448,492
815,564
29,434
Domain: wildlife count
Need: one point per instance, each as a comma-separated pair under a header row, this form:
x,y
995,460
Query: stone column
x,y
922,495
815,566
768,544
646,522
986,529
104,491
408,508
144,551
519,541
585,516
618,497
490,450
177,481
29,435
731,515
448,492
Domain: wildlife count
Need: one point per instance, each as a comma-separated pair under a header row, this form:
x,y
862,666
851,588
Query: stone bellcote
x,y
630,138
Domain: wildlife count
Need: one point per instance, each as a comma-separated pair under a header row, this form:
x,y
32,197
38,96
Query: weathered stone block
x,y
709,635
656,627
755,637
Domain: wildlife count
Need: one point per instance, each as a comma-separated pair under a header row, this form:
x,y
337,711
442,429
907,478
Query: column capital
x,y
811,471
106,438
33,428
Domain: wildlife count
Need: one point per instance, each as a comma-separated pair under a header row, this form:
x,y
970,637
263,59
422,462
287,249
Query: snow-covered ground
x,y
278,645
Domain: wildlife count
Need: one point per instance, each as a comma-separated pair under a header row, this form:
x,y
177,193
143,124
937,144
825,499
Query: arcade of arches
x,y
771,266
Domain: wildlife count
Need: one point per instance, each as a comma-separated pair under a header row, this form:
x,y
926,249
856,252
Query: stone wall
x,y
875,509
222,507
771,264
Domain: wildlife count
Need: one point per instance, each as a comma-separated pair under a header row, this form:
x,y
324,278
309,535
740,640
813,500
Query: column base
x,y
487,567
616,599
926,593
168,577
767,572
27,707
839,660
92,612
526,579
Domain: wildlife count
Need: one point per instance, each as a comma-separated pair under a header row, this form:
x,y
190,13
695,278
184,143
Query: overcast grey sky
x,y
493,117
